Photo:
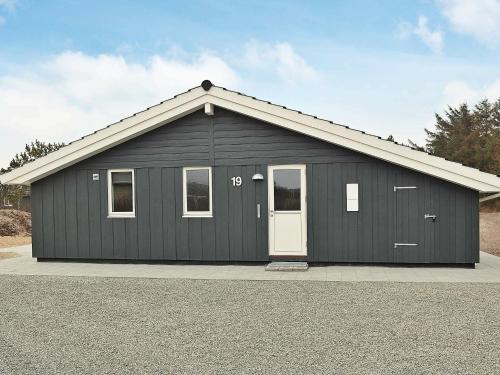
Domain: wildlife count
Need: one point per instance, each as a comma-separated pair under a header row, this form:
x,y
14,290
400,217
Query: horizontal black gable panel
x,y
226,138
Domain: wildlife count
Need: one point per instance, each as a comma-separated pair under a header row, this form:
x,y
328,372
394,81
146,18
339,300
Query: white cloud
x,y
432,38
479,18
73,93
280,58
458,92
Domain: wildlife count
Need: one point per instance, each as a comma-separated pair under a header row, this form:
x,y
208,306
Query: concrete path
x,y
488,271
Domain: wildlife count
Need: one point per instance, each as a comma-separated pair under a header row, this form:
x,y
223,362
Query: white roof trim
x,y
196,98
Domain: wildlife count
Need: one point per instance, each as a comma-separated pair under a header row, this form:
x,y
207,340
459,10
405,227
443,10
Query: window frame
x,y
111,214
352,197
6,202
185,212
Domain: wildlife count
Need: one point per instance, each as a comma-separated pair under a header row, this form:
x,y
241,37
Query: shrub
x,y
15,223
8,227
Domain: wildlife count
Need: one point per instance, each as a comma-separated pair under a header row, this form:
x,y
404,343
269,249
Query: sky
x,y
68,68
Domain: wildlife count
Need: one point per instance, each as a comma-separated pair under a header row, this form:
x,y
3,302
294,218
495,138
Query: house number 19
x,y
236,181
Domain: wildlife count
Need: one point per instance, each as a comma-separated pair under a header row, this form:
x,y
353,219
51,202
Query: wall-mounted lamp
x,y
257,177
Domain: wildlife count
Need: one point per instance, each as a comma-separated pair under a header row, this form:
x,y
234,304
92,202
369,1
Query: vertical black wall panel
x,y
156,213
106,223
249,213
235,216
48,218
382,215
330,208
59,216
82,212
321,212
169,213
336,222
37,219
69,204
94,215
208,239
221,213
367,175
460,228
444,223
182,224
119,238
143,214
132,239
194,238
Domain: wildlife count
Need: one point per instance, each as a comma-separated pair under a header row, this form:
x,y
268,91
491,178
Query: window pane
x,y
122,191
286,189
121,177
197,189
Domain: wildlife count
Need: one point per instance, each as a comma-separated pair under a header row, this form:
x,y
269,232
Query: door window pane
x,y
198,190
122,192
286,189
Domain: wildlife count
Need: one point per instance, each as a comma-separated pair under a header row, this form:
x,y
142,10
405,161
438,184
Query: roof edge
x,y
195,98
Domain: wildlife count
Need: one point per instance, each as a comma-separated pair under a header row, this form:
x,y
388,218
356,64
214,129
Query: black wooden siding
x,y
70,209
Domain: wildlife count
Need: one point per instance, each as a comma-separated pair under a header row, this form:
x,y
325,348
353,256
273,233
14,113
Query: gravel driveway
x,y
52,325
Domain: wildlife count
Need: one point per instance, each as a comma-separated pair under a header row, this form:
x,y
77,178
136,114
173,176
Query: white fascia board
x,y
489,197
108,137
357,141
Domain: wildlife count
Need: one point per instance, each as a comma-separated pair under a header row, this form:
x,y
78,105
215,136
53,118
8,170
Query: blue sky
x,y
70,67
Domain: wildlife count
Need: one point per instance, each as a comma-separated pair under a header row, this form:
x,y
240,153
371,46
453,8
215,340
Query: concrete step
x,y
287,266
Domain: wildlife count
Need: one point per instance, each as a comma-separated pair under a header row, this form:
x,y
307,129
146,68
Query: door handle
x,y
429,216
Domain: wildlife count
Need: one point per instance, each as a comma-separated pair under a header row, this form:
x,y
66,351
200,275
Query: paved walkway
x,y
487,271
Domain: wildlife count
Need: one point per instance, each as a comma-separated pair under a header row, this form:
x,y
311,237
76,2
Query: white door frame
x,y
303,210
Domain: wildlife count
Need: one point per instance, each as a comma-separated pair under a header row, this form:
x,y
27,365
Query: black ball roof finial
x,y
206,84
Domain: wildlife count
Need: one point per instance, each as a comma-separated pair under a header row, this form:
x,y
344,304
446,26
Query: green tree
x,y
469,136
416,146
32,151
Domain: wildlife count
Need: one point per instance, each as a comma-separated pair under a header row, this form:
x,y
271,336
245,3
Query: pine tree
x,y
469,136
32,151
415,146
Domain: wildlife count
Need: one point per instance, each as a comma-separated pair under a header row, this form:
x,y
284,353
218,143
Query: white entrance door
x,y
287,210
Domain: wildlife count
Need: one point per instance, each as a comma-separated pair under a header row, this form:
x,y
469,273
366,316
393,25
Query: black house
x,y
215,175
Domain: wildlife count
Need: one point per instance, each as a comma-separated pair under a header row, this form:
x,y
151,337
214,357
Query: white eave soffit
x,y
198,98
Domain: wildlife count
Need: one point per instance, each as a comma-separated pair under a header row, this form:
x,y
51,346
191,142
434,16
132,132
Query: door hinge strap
x,y
404,244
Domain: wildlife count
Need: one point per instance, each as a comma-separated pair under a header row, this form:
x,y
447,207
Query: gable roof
x,y
196,98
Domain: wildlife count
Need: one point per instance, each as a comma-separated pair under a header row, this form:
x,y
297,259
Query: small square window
x,y
197,191
6,202
121,193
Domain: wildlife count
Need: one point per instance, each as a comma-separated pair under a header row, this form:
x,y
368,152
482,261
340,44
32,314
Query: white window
x,y
197,191
121,193
6,202
352,197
